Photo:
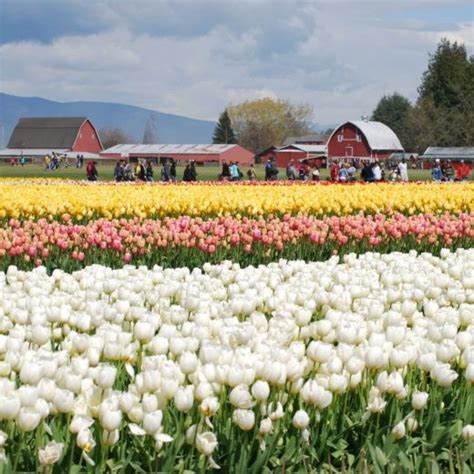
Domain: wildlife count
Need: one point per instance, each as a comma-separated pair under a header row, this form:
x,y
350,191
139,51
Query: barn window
x,y
358,137
339,138
92,136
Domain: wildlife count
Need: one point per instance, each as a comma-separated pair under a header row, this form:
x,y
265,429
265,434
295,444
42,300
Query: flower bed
x,y
188,241
290,366
84,202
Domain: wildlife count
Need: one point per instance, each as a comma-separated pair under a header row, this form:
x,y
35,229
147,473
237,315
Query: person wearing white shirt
x,y
403,170
377,171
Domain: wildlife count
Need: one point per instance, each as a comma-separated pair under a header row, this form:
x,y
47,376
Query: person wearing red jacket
x,y
334,171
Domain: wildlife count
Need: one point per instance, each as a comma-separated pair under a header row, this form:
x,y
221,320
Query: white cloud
x,y
338,56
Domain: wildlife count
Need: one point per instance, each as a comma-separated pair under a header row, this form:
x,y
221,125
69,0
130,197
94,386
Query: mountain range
x,y
166,128
132,120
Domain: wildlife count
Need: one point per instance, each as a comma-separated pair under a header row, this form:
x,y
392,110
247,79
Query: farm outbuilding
x,y
316,154
197,153
363,140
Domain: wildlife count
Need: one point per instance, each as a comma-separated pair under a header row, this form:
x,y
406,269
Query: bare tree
x,y
113,136
150,134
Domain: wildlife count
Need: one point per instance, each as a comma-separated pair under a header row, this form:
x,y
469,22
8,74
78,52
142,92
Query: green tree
x,y
223,132
393,110
444,111
444,80
261,123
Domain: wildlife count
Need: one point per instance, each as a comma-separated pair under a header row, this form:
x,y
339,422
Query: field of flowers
x,y
246,328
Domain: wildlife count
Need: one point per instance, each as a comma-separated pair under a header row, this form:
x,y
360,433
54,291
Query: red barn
x,y
363,140
56,133
197,153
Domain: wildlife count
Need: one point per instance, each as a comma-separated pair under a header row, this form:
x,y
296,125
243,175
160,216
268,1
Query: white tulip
x,y
50,454
28,419
184,399
468,433
260,390
266,426
85,440
209,406
245,419
143,332
106,376
152,422
444,375
3,438
80,422
63,401
206,443
28,395
188,363
300,420
419,400
31,373
111,419
469,374
240,397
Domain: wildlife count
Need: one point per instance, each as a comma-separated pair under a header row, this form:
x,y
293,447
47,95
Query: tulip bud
x,y
245,419
399,430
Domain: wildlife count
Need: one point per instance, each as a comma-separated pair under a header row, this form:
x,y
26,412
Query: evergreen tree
x,y
393,111
223,132
446,76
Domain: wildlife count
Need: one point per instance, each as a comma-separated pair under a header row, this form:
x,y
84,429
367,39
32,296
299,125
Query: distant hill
x,y
132,120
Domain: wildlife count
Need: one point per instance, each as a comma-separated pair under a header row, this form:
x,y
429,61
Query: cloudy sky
x,y
193,57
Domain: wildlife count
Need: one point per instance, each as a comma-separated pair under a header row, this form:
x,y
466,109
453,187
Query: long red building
x,y
199,153
364,140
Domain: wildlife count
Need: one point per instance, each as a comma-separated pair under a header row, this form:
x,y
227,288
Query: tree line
x,y
443,113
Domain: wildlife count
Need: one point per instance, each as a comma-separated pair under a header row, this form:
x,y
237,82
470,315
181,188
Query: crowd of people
x,y
54,161
446,171
370,172
302,172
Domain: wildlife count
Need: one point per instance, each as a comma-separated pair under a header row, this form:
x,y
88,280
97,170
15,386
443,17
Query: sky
x,y
195,57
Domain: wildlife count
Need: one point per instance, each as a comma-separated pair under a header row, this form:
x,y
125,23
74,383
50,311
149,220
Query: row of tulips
x,y
365,364
82,203
189,241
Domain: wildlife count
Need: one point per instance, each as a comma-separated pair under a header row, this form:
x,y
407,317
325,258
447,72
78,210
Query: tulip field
x,y
240,328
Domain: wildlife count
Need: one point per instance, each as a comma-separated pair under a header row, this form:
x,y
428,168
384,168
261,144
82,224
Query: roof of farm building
x,y
46,132
156,149
461,152
305,139
378,135
305,148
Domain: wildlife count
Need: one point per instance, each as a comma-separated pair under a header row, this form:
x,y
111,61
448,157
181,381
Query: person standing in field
x,y
251,174
269,170
172,170
91,171
377,171
403,170
315,173
436,172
